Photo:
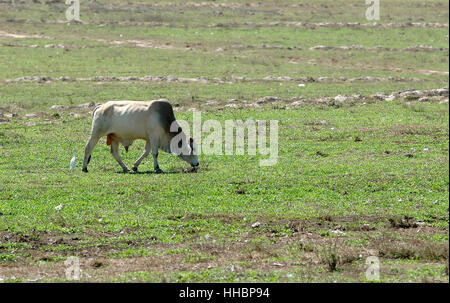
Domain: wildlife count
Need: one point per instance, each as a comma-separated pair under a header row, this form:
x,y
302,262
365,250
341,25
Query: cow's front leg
x,y
155,163
145,154
115,153
155,144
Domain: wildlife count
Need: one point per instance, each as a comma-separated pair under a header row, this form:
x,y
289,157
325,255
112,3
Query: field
x,y
363,141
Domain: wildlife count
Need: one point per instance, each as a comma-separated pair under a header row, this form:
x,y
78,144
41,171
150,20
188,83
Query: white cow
x,y
126,121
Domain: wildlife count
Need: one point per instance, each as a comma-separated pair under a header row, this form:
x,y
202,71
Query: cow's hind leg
x,y
115,153
142,157
88,150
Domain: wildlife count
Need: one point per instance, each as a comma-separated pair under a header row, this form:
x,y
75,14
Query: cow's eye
x,y
180,144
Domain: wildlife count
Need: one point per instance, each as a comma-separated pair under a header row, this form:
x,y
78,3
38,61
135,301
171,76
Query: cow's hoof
x,y
84,170
134,168
158,170
126,170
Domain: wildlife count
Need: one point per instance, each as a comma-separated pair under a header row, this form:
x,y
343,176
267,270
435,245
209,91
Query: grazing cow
x,y
126,121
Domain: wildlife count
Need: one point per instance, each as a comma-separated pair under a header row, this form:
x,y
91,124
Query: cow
x,y
153,121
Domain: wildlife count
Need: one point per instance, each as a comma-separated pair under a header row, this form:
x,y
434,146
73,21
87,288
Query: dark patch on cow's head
x,y
191,144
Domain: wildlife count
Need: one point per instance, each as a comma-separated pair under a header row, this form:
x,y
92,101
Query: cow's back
x,y
133,119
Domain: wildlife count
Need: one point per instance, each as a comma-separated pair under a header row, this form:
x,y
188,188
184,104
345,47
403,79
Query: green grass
x,y
356,178
166,12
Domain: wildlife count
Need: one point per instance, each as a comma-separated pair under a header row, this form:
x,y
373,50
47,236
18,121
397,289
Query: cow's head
x,y
189,153
184,147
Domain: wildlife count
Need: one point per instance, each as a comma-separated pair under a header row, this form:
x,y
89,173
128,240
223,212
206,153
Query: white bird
x,y
73,160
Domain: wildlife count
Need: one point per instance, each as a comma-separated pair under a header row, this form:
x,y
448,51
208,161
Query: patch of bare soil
x,y
79,106
16,112
431,72
143,43
208,80
434,95
332,24
416,96
94,268
9,111
416,48
249,24
21,36
191,46
410,247
306,246
18,45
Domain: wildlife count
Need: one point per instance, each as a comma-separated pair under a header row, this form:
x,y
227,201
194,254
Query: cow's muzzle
x,y
195,165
